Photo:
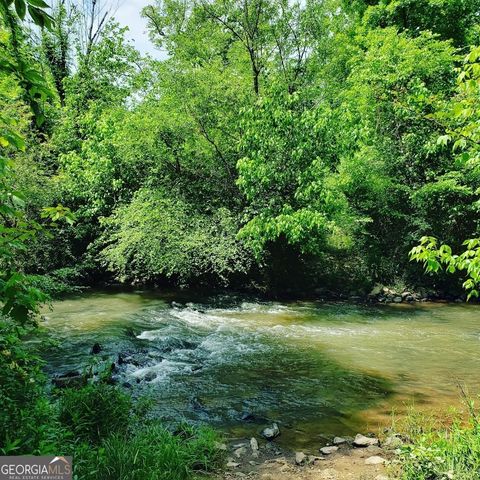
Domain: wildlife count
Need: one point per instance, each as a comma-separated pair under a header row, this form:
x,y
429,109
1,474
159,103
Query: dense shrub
x,y
156,237
95,411
27,422
153,453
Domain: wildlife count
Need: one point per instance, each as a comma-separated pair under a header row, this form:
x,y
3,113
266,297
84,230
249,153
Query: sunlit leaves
x,y
436,258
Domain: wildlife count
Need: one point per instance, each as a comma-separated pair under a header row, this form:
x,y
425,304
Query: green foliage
x,y
153,453
286,175
451,19
278,139
435,257
448,449
155,236
95,411
25,415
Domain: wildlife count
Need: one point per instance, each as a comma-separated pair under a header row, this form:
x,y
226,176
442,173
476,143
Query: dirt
x,y
270,463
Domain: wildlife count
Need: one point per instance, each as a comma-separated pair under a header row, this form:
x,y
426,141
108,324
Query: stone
x,y
254,446
328,450
339,441
393,442
240,452
375,460
232,464
374,450
271,432
397,299
363,441
96,349
300,458
220,446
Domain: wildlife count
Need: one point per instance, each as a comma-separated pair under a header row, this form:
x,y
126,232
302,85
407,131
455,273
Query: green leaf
x,y
37,16
38,3
21,8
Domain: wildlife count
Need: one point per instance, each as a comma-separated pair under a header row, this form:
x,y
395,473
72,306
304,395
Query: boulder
x,y
363,441
328,450
271,432
339,441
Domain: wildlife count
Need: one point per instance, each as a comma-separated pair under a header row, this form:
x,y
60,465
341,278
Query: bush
x,y
153,453
156,237
27,419
95,411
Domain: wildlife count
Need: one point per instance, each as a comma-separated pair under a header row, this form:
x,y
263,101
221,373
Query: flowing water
x,y
319,369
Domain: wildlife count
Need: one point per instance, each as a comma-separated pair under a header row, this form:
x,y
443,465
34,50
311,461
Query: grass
x,y
441,448
112,440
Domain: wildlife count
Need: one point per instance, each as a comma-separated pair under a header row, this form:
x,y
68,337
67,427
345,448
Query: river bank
x,y
345,459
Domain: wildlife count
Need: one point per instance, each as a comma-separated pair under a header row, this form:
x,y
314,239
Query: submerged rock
x,y
271,432
150,376
96,349
363,441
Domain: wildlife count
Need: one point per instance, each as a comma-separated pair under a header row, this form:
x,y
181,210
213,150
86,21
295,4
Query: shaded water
x,y
317,369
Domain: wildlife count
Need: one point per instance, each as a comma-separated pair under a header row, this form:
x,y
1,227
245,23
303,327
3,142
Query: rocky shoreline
x,y
363,456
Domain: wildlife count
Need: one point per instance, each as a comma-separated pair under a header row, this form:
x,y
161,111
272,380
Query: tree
x,y
460,116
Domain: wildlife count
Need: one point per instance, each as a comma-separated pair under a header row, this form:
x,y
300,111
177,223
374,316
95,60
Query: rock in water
x,y
300,458
96,349
363,441
328,450
375,460
271,432
339,441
